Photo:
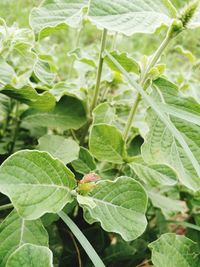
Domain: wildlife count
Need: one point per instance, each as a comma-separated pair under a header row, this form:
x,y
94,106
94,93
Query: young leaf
x,y
161,146
103,113
174,250
69,113
43,72
131,16
29,96
15,231
63,149
128,63
118,205
31,255
55,14
106,143
7,73
85,162
36,183
153,174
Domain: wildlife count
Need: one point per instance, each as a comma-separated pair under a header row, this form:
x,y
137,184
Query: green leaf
x,y
43,72
131,16
85,162
69,113
29,96
31,255
118,205
128,63
36,183
104,113
55,14
174,135
15,231
59,147
174,250
153,174
62,88
161,146
83,57
106,143
168,206
6,73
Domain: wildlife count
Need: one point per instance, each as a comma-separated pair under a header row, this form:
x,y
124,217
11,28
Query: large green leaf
x,y
131,16
29,96
85,162
176,134
31,255
15,231
36,183
59,147
174,251
153,174
118,205
69,113
106,143
57,13
161,146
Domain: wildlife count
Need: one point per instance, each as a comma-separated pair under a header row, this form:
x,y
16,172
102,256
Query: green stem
x,y
99,71
15,129
82,240
6,206
78,35
144,77
131,117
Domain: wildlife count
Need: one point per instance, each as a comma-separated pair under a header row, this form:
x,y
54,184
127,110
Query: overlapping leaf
x,y
161,146
15,231
69,113
31,255
118,205
174,250
59,147
131,16
57,13
36,183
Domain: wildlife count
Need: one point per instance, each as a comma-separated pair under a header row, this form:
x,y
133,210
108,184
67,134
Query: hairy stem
x,y
99,71
82,240
144,76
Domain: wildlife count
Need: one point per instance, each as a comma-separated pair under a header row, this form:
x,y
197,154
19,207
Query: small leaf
x,y
128,63
43,72
63,149
15,231
118,205
36,183
6,73
174,250
106,143
69,113
55,14
131,16
31,255
103,113
85,162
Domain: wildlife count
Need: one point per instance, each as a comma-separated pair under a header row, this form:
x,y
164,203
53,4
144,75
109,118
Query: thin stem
x,y
82,240
144,77
131,117
76,248
78,35
114,43
6,206
99,71
15,129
